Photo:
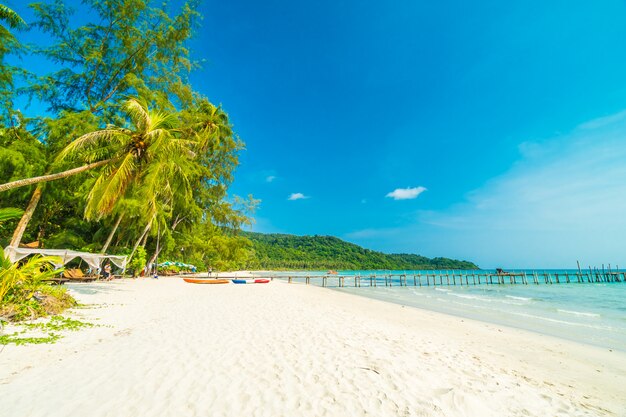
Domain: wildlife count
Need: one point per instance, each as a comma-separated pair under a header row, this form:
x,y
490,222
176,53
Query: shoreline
x,y
169,348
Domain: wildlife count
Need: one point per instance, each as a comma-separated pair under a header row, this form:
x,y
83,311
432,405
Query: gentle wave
x,y
518,298
568,323
469,297
578,313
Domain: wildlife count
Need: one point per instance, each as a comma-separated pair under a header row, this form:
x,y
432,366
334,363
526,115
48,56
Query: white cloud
x,y
406,193
270,178
297,196
563,200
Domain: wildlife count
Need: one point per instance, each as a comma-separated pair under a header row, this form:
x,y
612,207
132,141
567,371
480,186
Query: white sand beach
x,y
167,348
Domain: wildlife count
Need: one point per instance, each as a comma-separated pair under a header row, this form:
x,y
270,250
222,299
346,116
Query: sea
x,y
590,313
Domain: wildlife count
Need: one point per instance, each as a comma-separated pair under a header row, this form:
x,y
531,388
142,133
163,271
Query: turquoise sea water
x,y
591,313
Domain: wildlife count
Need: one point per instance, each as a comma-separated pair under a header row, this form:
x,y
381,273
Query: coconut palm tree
x,y
150,150
150,147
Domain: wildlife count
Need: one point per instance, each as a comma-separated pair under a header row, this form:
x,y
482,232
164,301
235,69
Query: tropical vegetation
x,y
24,292
280,251
121,155
126,154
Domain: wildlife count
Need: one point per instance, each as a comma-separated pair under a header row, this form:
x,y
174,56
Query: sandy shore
x,y
166,348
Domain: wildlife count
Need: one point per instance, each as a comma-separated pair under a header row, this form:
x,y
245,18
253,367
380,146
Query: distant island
x,y
282,251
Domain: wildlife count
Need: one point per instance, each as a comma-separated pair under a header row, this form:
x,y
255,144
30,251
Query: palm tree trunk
x,y
154,256
28,214
51,177
110,238
145,232
145,239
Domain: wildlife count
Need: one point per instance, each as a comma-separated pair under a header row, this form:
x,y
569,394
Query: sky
x,y
488,131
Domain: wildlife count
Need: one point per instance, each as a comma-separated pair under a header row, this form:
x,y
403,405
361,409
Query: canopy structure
x,y
94,260
178,264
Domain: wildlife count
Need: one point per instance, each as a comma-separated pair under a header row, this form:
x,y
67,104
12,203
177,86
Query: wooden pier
x,y
462,278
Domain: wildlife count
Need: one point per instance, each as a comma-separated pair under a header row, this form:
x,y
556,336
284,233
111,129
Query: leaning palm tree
x,y
130,153
123,153
120,149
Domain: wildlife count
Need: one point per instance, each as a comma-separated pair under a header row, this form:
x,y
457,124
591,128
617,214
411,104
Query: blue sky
x,y
490,131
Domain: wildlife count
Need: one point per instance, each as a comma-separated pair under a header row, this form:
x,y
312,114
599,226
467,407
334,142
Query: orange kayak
x,y
206,281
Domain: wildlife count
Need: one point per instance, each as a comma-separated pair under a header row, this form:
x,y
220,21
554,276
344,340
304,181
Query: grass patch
x,y
5,339
58,323
46,332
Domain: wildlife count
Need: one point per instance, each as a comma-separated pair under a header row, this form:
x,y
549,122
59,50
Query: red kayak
x,y
261,281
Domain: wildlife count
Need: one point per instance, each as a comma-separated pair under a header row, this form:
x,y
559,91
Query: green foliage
x,y
8,44
9,213
172,153
23,292
139,261
128,48
55,324
14,338
278,251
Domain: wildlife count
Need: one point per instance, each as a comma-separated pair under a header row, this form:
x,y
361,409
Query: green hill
x,y
279,251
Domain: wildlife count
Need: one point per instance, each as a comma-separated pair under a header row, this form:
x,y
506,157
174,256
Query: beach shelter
x,y
94,260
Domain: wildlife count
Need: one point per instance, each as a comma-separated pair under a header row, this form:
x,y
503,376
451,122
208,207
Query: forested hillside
x,y
279,251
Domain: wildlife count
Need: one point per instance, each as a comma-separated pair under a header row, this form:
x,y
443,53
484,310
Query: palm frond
x,y
9,213
160,120
88,140
108,190
137,110
13,19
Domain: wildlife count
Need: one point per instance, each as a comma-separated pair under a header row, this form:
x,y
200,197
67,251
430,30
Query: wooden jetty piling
x,y
462,278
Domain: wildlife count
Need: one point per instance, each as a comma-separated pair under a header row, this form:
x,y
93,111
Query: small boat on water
x,y
206,281
251,281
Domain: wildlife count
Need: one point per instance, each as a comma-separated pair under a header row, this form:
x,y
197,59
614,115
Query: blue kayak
x,y
239,281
